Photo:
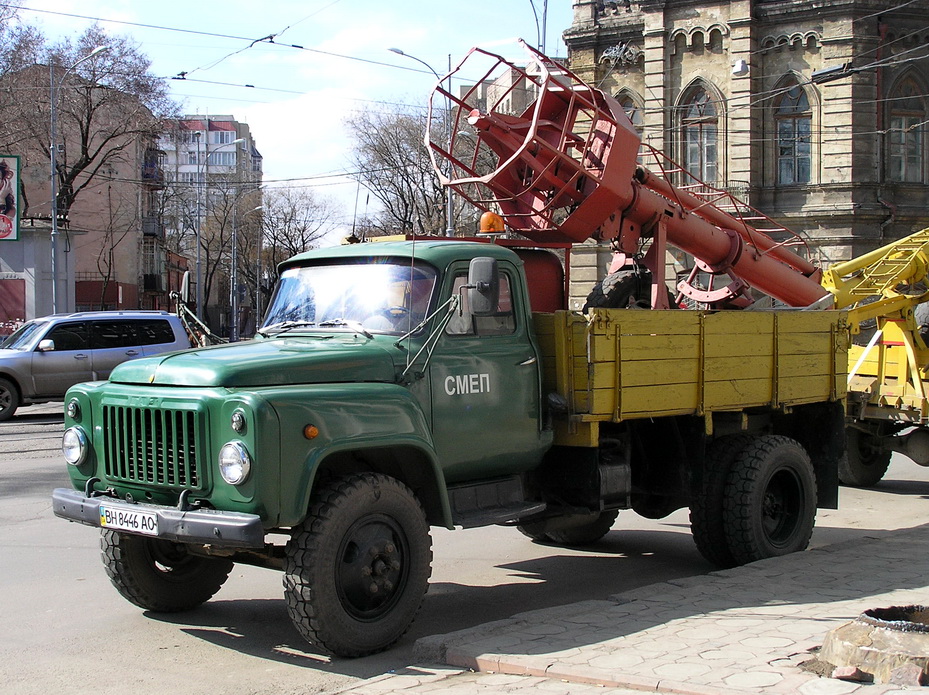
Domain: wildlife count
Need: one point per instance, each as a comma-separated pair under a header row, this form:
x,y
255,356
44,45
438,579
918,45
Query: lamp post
x,y
449,194
53,151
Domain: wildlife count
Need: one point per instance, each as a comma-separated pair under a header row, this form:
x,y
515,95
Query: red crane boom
x,y
566,168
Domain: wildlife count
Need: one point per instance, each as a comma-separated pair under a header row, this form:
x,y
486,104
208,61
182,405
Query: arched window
x,y
793,121
632,110
700,135
905,141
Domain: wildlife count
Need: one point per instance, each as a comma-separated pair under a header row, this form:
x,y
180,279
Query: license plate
x,y
129,520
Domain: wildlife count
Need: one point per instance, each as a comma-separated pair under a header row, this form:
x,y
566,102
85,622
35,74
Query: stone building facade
x,y
814,112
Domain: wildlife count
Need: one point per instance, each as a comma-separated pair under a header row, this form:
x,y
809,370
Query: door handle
x,y
132,353
526,362
81,356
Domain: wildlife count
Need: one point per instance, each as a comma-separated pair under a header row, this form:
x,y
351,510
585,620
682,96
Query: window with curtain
x,y
793,122
906,143
700,135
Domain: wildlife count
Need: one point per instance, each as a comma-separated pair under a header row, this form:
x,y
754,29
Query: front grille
x,y
153,446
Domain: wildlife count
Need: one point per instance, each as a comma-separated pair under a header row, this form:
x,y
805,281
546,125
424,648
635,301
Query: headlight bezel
x,y
81,445
239,458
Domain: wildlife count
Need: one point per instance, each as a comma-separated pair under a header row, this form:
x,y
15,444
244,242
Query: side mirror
x,y
46,345
185,288
483,286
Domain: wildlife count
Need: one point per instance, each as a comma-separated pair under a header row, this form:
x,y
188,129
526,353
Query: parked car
x,y
44,357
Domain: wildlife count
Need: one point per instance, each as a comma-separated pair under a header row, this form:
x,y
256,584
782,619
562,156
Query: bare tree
x,y
391,161
293,220
104,105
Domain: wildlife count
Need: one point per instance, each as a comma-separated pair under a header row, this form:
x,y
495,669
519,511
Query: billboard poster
x,y
9,194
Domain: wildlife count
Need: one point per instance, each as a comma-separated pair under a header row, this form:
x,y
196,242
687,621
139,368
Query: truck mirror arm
x,y
429,344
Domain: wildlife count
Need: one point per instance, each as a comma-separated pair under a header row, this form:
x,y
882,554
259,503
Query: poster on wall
x,y
9,193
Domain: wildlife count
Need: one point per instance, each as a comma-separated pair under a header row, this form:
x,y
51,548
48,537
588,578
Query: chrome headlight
x,y
74,446
234,463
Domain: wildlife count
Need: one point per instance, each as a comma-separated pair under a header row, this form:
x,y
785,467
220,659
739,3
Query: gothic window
x,y
700,135
906,144
793,121
632,110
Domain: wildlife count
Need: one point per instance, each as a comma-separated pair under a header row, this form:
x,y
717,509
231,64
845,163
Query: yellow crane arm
x,y
895,274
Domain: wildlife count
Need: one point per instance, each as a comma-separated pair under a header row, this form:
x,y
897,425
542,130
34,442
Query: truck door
x,y
485,385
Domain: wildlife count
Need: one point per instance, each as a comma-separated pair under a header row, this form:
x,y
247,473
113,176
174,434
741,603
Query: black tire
x,y
583,534
621,290
9,399
706,508
864,462
770,500
357,568
159,575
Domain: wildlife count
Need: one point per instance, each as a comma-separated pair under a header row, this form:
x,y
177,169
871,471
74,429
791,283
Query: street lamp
x,y
53,150
449,194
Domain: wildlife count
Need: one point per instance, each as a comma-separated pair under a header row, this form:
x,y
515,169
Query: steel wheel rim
x,y
782,507
372,567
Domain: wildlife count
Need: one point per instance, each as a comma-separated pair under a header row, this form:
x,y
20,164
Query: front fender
x,y
349,417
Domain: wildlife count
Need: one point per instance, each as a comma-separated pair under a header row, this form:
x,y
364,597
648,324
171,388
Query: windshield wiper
x,y
354,325
283,326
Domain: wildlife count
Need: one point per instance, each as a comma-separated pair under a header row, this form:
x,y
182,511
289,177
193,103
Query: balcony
x,y
153,175
153,227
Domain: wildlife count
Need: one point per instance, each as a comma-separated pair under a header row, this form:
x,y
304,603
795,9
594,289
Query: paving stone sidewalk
x,y
735,631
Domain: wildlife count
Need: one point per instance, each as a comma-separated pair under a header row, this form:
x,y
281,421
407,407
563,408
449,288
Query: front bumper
x,y
202,526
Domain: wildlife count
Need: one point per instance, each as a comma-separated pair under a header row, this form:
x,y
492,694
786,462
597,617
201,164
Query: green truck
x,y
401,385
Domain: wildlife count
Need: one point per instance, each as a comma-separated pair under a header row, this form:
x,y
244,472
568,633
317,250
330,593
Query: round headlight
x,y
74,446
234,463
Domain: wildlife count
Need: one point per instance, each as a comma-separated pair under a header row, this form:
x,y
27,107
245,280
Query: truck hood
x,y
273,362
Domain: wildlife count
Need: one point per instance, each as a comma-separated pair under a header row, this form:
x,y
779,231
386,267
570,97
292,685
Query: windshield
x,y
22,337
380,296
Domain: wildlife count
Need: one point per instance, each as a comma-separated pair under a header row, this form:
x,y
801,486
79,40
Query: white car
x,y
44,357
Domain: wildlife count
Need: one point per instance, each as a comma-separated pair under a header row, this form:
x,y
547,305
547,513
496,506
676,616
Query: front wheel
x,y
9,399
159,575
769,505
864,462
357,568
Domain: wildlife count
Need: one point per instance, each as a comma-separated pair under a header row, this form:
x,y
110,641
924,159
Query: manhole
x,y
882,640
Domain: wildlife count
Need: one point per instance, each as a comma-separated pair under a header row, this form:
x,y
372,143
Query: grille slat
x,y
155,446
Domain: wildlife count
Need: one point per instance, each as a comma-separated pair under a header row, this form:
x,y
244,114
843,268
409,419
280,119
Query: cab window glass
x,y
154,332
113,334
464,323
69,336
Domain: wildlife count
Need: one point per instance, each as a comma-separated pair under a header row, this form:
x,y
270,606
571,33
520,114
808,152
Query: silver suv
x,y
46,356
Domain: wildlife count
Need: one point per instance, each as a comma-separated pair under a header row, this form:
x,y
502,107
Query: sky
x,y
301,100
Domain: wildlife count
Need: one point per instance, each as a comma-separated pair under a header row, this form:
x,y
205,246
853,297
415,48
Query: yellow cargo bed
x,y
626,364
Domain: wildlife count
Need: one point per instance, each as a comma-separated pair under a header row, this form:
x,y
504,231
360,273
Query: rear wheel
x,y
159,575
864,462
770,500
9,399
706,509
357,568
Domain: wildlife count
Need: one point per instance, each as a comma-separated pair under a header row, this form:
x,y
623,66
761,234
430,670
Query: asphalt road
x,y
68,631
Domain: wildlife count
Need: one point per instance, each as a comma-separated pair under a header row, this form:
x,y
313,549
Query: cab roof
x,y
438,253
